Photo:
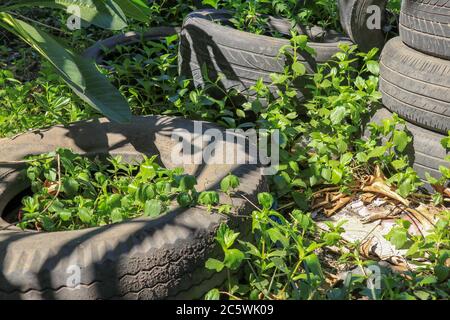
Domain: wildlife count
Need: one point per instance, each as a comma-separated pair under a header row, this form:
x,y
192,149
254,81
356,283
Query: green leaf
x,y
184,199
208,198
212,3
85,215
153,208
214,264
441,272
47,224
373,67
213,294
233,259
398,237
298,68
265,199
65,215
377,152
105,14
427,281
116,215
401,140
313,264
338,115
70,186
136,9
187,183
81,75
229,182
275,235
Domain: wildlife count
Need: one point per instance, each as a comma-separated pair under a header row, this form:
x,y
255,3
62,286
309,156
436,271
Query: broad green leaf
x,y
398,237
401,140
81,75
70,186
373,67
338,115
214,264
153,208
265,199
116,215
229,182
85,215
208,198
187,183
105,14
298,68
275,235
213,294
233,258
136,9
313,264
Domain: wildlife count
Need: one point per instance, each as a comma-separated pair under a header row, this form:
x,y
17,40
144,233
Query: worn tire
x,y
427,153
416,86
425,26
160,258
242,57
96,51
354,16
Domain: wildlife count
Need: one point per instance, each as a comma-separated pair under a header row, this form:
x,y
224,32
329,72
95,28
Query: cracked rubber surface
x,y
354,15
427,153
416,86
242,57
425,26
160,258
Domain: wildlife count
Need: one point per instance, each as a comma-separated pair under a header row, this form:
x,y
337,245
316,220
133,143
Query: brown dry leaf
x,y
340,203
377,185
366,247
52,187
425,215
368,198
447,263
381,214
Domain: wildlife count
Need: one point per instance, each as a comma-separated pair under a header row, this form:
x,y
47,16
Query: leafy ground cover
x,y
72,192
321,149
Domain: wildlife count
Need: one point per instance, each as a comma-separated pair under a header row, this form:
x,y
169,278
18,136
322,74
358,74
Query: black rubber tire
x,y
354,16
95,52
427,153
425,26
242,57
416,86
161,258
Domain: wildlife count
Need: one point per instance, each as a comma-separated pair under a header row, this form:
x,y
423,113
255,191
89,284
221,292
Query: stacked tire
x,y
415,80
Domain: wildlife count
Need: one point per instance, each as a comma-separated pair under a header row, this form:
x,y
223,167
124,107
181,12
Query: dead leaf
x,y
342,202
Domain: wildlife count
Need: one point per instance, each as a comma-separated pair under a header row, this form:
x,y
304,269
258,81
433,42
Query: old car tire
x,y
416,86
354,15
425,26
242,57
427,154
144,258
95,52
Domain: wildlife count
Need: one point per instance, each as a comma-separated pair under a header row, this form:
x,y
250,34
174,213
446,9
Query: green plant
x,y
80,75
251,16
71,191
321,146
38,103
